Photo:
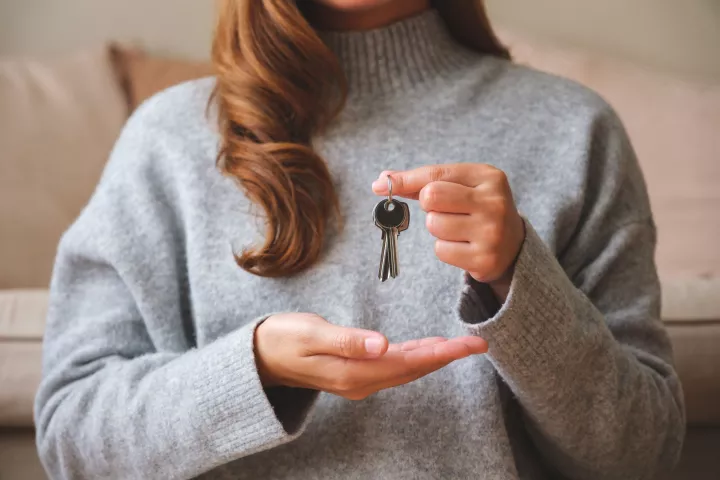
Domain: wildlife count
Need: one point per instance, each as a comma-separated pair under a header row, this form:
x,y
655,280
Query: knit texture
x,y
149,370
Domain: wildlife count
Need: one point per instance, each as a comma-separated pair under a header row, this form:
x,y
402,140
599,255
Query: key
x,y
392,217
386,256
400,229
384,271
393,249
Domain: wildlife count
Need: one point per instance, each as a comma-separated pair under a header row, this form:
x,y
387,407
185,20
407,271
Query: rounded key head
x,y
389,216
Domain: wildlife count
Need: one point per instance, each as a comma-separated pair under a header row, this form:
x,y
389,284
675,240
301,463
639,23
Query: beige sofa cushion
x,y
697,360
691,300
20,373
691,309
22,314
145,75
59,121
22,322
674,124
18,455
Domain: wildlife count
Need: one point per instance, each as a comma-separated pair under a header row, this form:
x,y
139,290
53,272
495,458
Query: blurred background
x,y
680,35
72,71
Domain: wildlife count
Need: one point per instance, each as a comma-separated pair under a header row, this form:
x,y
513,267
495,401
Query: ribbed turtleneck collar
x,y
401,56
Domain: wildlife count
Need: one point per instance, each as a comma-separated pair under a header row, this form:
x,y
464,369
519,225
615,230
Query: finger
x,y
476,345
385,173
412,181
467,257
396,382
434,357
413,344
448,197
395,364
452,227
340,375
458,254
442,354
384,179
346,342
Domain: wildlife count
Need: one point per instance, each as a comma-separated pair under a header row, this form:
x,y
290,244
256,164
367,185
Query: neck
x,y
402,56
328,18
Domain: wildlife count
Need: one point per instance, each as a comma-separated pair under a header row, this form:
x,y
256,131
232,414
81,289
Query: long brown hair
x,y
278,86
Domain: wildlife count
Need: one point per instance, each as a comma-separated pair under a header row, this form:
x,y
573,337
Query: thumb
x,y
350,342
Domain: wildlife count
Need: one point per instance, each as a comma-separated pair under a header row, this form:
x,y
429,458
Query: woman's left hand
x,y
472,214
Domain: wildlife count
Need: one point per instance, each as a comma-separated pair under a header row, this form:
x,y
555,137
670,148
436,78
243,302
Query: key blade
x,y
386,262
383,253
395,253
386,268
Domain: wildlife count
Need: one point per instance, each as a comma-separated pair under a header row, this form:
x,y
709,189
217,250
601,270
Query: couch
x,y
60,118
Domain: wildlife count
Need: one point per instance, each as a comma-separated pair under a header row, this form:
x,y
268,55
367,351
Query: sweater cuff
x,y
531,329
237,414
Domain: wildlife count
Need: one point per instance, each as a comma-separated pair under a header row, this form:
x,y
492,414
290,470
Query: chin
x,y
352,4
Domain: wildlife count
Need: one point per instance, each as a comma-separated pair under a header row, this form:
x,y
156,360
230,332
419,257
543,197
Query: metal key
x,y
385,255
384,264
388,220
400,229
405,225
391,217
386,225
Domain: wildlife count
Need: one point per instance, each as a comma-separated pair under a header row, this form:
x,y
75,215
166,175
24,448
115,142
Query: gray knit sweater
x,y
149,370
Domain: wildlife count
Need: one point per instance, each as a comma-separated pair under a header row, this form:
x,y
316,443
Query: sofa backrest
x,y
674,124
59,121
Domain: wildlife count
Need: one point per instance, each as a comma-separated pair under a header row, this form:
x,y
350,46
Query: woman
x,y
176,349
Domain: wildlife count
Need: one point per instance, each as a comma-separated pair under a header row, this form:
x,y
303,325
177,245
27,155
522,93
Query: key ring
x,y
390,199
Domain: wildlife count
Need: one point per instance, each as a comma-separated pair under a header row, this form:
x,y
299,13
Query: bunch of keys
x,y
391,217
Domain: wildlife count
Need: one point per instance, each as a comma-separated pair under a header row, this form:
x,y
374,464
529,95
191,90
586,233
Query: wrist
x,y
501,286
267,379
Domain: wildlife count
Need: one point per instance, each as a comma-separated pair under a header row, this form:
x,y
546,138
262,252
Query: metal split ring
x,y
390,198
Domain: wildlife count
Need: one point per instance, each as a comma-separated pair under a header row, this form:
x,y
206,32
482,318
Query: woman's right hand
x,y
303,350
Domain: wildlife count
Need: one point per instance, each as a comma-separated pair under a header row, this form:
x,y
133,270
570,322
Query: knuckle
x,y
343,343
477,264
501,208
304,334
431,222
498,175
398,181
475,196
482,264
439,250
494,235
343,384
356,396
492,265
429,197
314,318
438,172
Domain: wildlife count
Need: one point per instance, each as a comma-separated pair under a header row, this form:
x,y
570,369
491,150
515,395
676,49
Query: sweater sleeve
x,y
579,340
117,400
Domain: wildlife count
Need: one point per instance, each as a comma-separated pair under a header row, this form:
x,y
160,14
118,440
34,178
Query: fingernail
x,y
373,346
378,184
